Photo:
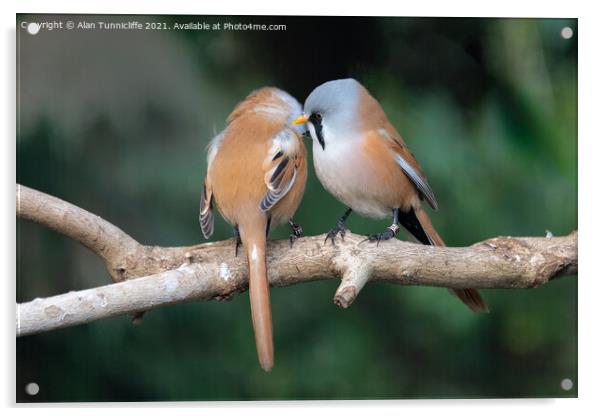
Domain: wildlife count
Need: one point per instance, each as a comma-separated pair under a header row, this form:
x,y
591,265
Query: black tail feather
x,y
410,222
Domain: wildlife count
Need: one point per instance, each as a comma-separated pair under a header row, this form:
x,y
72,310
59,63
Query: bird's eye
x,y
316,118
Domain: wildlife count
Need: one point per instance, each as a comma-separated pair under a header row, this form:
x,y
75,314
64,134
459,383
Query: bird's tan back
x,y
256,176
236,173
238,170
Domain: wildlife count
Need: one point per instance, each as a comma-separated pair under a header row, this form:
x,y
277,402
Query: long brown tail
x,y
470,297
253,237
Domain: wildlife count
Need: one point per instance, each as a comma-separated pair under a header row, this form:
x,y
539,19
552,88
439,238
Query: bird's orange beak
x,y
301,120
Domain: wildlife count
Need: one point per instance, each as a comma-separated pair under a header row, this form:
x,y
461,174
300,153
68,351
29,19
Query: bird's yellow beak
x,y
301,119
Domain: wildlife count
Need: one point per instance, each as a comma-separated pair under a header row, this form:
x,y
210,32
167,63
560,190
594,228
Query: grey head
x,y
331,110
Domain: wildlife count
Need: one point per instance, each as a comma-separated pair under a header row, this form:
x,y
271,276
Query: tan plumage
x,y
400,190
363,161
256,176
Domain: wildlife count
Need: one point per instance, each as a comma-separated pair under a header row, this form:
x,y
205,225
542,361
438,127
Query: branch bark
x,y
100,236
211,271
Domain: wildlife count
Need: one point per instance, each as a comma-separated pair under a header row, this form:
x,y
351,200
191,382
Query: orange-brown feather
x,y
237,173
386,181
470,297
237,178
252,235
381,142
374,122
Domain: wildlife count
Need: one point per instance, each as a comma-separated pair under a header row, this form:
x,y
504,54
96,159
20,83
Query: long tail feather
x,y
254,241
419,225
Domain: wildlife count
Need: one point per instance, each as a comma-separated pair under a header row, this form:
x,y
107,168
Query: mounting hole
x,y
566,384
33,28
32,389
566,32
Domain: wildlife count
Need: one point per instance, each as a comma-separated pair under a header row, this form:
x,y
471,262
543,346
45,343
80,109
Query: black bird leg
x,y
238,242
340,228
390,232
267,227
297,231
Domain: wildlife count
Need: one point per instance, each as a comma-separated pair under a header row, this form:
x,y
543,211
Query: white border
x,y
590,70
508,8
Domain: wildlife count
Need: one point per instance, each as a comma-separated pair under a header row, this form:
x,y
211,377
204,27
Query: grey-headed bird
x,y
362,160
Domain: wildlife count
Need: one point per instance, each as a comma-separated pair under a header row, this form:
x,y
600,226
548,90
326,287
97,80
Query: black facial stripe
x,y
317,123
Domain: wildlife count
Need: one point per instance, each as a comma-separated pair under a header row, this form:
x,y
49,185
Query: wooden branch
x,y
211,271
100,236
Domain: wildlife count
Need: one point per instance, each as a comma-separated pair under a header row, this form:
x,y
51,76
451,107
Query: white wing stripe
x,y
420,183
272,197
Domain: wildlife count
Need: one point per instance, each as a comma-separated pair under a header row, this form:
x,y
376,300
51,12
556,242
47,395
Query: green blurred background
x,y
117,122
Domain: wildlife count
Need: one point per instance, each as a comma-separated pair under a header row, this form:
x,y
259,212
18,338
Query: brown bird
x,y
362,160
256,176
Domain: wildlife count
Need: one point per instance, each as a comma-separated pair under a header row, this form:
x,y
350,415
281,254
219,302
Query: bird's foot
x,y
297,232
339,229
238,242
388,234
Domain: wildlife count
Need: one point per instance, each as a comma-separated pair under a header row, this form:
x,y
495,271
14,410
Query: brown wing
x,y
280,167
206,210
408,164
206,207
